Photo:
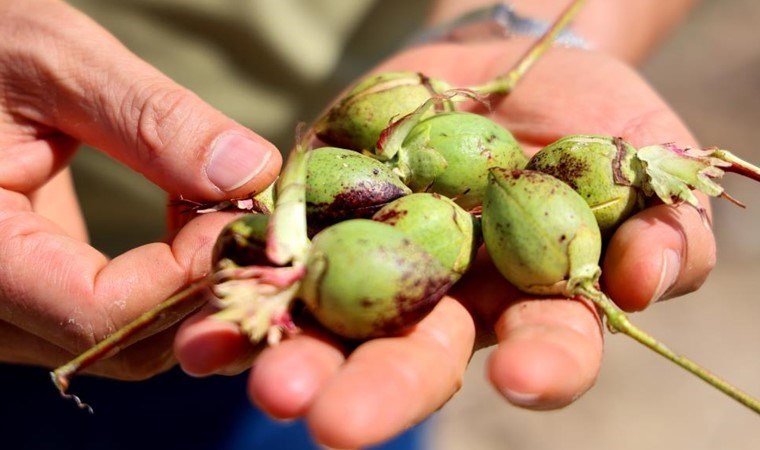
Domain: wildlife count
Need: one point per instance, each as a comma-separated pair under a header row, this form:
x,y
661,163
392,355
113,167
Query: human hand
x,y
548,351
64,80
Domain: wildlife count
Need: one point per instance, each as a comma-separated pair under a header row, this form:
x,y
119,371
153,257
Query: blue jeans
x,y
170,411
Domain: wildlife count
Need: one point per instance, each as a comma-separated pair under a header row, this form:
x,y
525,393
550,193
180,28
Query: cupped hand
x,y
64,80
547,351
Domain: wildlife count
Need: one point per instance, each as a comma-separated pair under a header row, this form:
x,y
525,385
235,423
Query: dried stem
x,y
165,312
504,84
617,321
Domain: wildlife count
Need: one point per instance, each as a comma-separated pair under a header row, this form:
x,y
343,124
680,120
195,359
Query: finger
x,y
104,95
27,162
549,352
660,253
387,385
57,201
286,378
205,346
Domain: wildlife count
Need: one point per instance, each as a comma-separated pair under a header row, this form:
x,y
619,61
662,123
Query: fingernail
x,y
523,399
536,402
671,267
235,160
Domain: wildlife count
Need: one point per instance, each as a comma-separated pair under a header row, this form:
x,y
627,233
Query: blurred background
x,y
709,71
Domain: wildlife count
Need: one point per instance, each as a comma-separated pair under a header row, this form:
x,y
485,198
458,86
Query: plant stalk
x,y
617,321
504,84
164,312
736,164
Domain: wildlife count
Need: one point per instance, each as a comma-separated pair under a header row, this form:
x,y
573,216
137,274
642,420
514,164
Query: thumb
x,y
109,98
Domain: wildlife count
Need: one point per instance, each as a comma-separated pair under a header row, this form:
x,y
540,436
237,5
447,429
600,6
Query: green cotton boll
x,y
540,233
367,279
357,120
343,184
437,224
605,171
450,154
242,242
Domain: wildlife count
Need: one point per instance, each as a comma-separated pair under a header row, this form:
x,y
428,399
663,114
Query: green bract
x,y
540,233
358,119
343,184
439,225
367,279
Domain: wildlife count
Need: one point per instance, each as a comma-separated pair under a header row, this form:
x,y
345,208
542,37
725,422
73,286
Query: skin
x,y
544,354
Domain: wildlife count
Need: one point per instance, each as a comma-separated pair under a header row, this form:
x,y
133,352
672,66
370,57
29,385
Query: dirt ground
x,y
710,72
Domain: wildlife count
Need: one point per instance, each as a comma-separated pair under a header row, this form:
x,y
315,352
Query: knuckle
x,y
164,119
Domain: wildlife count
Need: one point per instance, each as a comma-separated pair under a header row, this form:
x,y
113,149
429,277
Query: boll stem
x,y
735,164
617,321
504,84
166,313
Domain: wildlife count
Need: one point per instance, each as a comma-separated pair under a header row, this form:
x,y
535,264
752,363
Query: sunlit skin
x,y
543,354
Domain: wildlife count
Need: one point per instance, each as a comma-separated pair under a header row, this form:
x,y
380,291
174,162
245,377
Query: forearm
x,y
627,29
